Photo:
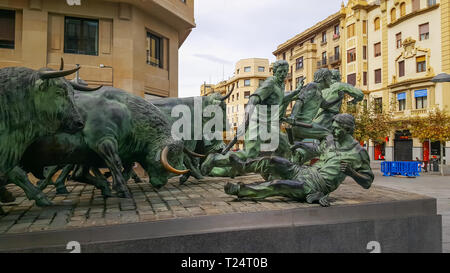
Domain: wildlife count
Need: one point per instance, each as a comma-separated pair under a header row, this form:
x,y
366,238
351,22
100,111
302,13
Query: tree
x,y
371,122
434,127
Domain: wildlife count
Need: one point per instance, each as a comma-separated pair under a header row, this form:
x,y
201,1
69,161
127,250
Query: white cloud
x,y
230,30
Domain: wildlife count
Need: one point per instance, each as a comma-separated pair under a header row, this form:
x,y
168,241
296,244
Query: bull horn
x,y
229,93
166,164
194,154
45,75
61,66
80,87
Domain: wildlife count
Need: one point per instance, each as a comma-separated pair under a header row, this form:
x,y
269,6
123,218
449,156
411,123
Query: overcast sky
x,y
230,30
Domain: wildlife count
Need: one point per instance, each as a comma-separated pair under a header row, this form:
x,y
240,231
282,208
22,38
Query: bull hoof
x,y
6,196
43,201
62,190
184,178
122,192
106,192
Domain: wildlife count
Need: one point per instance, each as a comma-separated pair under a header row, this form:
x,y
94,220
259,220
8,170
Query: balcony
x,y
335,59
322,63
419,111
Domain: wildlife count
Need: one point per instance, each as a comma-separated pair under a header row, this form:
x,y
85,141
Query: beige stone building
x,y
249,74
391,49
316,47
130,44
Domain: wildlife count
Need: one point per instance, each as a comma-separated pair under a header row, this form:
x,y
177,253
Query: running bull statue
x,y
33,104
81,172
120,129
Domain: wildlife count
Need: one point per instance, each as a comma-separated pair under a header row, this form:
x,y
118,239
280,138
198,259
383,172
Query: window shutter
x,y
424,28
420,59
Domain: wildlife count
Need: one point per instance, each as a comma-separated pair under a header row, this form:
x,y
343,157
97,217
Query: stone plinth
x,y
199,217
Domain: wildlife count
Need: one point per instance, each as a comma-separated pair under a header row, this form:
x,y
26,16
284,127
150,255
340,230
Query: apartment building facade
x,y
249,74
129,44
391,49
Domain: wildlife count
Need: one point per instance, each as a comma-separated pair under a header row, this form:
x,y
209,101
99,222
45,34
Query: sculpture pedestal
x,y
199,217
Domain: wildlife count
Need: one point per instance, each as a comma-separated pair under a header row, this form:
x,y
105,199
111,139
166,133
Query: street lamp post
x,y
112,72
442,77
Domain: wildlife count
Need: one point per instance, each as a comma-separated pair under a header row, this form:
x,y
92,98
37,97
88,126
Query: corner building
x,y
129,44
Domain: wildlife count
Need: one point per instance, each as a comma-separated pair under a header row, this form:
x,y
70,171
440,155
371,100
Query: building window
x,y
378,105
312,40
424,32
377,23
401,98
364,52
247,94
393,15
324,37
81,36
336,31
284,55
351,55
431,2
421,98
398,40
401,68
337,53
377,75
402,9
324,58
261,82
8,28
299,63
351,31
421,64
421,103
246,82
351,79
261,69
364,27
415,5
247,69
364,78
154,50
237,96
377,49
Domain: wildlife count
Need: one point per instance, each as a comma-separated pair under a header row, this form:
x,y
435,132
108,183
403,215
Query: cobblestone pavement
x,y
84,206
432,185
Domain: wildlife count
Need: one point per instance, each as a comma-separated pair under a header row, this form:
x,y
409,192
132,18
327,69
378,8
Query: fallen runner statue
x,y
339,156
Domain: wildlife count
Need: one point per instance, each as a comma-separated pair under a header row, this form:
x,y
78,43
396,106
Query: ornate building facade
x,y
391,49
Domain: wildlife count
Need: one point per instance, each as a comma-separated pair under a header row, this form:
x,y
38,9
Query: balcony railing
x,y
419,111
335,59
322,63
